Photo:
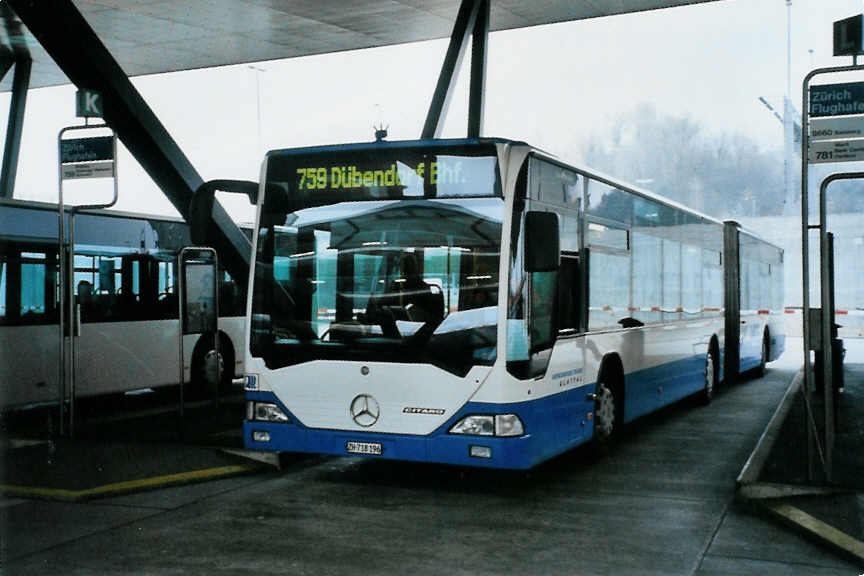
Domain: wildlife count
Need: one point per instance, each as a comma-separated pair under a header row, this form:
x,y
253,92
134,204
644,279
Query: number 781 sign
x,y
836,151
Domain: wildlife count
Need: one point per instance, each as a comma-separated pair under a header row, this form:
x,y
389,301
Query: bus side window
x,y
568,294
543,324
33,279
3,267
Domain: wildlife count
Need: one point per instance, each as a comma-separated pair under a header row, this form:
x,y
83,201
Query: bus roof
x,y
461,142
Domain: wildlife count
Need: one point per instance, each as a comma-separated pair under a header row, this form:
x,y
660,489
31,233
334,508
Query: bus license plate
x,y
373,448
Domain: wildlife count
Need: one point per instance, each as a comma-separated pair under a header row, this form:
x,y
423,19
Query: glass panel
x,y
671,280
568,294
610,203
712,284
691,281
600,235
609,289
32,285
392,281
647,278
543,288
554,185
3,268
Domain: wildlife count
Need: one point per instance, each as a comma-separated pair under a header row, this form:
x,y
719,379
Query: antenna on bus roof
x,y
380,132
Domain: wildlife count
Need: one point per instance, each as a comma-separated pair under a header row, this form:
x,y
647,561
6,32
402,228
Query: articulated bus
x,y
124,278
479,302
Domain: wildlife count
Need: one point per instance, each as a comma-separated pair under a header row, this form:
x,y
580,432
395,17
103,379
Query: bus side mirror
x,y
542,242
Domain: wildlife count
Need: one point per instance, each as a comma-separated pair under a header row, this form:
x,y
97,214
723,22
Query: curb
x,y
768,496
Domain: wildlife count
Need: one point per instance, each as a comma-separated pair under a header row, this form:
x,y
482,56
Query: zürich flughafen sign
x,y
837,99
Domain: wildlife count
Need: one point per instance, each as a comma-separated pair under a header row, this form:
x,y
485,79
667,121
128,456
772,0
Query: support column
x,y
68,39
15,125
462,29
479,39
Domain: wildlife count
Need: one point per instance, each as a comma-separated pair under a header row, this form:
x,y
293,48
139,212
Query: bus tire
x,y
766,350
204,360
709,386
608,405
604,413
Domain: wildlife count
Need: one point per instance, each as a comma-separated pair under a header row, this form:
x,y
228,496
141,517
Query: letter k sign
x,y
88,104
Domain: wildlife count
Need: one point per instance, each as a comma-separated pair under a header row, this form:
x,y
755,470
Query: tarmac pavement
x,y
661,501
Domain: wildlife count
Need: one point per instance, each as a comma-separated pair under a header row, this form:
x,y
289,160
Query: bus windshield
x,y
395,281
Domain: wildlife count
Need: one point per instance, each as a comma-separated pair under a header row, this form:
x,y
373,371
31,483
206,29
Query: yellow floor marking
x,y
820,529
168,479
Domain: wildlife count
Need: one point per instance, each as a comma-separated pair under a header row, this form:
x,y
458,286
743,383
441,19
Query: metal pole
x,y
805,250
827,331
61,257
181,287
73,325
216,326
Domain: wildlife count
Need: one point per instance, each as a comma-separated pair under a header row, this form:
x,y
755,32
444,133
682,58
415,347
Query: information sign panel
x,y
836,151
841,128
86,149
88,170
837,99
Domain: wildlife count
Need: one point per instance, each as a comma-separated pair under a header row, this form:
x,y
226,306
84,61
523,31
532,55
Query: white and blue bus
x,y
124,278
479,302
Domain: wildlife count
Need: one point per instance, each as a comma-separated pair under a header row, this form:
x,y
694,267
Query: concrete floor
x,y
660,502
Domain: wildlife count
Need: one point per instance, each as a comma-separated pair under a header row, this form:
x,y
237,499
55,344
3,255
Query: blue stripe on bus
x,y
549,422
553,424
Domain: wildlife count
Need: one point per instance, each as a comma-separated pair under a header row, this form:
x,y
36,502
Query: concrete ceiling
x,y
154,36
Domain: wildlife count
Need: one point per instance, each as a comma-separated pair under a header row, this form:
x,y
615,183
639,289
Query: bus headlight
x,y
475,426
265,412
508,425
489,425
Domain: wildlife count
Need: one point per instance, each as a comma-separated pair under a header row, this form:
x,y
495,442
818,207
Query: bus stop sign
x,y
88,104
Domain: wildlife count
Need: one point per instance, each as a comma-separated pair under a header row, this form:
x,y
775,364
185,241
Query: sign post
x,y
93,155
198,307
837,134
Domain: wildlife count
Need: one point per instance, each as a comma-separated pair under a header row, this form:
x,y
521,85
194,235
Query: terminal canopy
x,y
155,36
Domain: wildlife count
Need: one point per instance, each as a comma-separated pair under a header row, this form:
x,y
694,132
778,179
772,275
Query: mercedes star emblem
x,y
365,410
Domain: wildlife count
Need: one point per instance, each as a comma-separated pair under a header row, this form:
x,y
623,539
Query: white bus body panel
x,y
320,393
110,357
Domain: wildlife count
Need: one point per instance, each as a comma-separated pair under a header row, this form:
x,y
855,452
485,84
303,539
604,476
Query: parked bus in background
x,y
125,282
480,302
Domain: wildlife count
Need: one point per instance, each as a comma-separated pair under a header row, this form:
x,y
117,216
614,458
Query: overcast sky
x,y
552,86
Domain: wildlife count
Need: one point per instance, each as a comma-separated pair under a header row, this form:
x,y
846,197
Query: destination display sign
x,y
344,177
385,174
844,127
86,149
837,99
836,151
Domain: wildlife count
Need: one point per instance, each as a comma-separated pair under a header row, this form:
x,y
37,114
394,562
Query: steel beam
x,y
479,40
462,29
15,125
731,301
71,42
7,59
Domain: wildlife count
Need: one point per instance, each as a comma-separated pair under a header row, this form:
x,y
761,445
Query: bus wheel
x,y
604,413
760,371
710,378
204,367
